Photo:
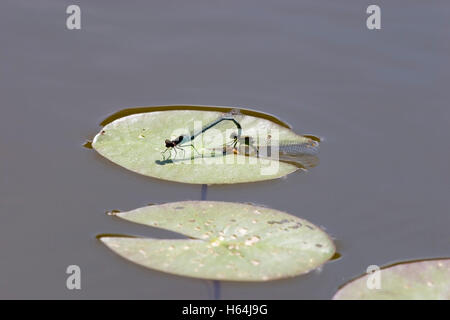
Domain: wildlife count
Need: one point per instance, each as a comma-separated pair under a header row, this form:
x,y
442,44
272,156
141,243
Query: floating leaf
x,y
229,241
422,280
136,142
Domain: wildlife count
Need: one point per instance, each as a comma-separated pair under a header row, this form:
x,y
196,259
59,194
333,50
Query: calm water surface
x,y
380,99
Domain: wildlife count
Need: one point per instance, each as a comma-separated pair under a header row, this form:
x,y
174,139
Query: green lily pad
x,y
229,241
421,280
136,142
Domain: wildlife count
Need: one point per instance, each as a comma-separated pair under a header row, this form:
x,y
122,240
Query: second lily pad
x,y
229,241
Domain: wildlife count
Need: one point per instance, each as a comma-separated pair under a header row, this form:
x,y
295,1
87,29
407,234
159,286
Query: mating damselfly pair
x,y
252,146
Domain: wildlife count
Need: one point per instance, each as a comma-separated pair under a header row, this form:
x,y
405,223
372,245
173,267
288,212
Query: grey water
x,y
380,99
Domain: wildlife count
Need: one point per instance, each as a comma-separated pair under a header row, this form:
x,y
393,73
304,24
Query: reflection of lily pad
x,y
229,241
427,279
136,142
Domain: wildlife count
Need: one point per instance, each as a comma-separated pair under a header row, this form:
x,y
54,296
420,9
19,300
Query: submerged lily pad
x,y
136,142
229,241
421,280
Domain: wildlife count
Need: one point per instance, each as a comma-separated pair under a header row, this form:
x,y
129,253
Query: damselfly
x,y
301,153
186,140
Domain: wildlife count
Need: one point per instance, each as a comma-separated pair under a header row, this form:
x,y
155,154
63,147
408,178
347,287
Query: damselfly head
x,y
231,114
174,142
169,144
235,112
